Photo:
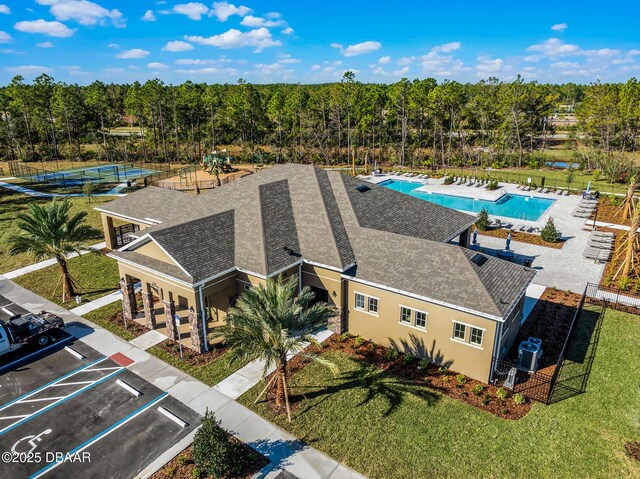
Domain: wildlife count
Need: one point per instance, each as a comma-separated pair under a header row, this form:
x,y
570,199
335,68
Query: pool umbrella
x,y
589,186
508,241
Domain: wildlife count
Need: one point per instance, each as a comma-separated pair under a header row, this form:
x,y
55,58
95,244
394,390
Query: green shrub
x,y
195,473
182,460
461,379
549,233
478,389
519,399
623,283
213,452
344,337
486,399
424,363
391,354
482,221
358,341
448,180
445,379
501,393
171,471
442,370
408,358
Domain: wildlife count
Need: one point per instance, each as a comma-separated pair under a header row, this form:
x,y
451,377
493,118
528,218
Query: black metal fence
x,y
123,233
192,185
614,298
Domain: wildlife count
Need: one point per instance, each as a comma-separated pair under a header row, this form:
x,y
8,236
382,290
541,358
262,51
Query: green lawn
x,y
385,428
210,373
98,316
96,273
11,204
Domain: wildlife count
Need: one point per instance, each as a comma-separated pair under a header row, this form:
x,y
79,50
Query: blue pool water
x,y
511,206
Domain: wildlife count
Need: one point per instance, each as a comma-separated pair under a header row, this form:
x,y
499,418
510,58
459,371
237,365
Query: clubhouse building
x,y
397,268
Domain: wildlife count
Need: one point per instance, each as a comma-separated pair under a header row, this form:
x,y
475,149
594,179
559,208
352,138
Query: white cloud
x,y
251,21
559,27
287,31
4,37
113,70
156,66
405,61
223,10
442,65
565,65
532,58
602,53
53,29
148,16
133,53
554,47
487,66
11,51
208,71
633,53
384,60
259,38
193,61
193,10
5,9
447,47
113,45
177,46
360,48
336,45
29,70
83,11
44,45
315,68
286,58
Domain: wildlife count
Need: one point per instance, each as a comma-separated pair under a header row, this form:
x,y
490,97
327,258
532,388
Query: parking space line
x,y
59,401
40,351
71,384
41,399
99,436
13,417
101,369
51,383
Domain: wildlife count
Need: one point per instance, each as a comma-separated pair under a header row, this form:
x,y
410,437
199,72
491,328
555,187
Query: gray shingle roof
x,y
269,221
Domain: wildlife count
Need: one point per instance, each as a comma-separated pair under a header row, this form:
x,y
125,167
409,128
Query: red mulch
x,y
632,448
189,356
181,466
608,213
521,237
550,321
133,327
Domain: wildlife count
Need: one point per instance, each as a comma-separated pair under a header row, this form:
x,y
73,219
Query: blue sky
x,y
301,41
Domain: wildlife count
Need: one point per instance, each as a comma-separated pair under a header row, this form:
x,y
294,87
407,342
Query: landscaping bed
x,y
110,318
210,367
550,321
521,237
182,466
609,211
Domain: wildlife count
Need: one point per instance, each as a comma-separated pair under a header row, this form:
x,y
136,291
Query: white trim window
x,y
359,301
476,336
459,331
373,305
405,315
421,320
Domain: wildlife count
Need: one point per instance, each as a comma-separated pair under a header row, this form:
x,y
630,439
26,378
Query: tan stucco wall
x,y
325,279
435,342
152,250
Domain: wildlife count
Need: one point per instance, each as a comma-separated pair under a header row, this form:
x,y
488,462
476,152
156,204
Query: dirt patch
x,y
549,321
630,286
521,237
632,448
181,466
608,212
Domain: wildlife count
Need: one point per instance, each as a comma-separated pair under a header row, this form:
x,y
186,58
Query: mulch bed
x,y
632,448
521,237
432,377
133,327
550,321
189,356
609,213
181,466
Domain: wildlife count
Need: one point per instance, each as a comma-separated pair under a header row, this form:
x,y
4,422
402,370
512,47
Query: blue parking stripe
x,y
52,382
35,353
29,418
102,433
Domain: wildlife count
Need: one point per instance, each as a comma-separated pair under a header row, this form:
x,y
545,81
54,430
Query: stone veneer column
x,y
130,307
197,335
336,323
170,314
149,311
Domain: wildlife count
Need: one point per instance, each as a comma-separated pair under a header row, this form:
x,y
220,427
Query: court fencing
x,y
196,185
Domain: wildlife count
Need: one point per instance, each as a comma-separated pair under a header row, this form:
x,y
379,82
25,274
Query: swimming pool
x,y
509,205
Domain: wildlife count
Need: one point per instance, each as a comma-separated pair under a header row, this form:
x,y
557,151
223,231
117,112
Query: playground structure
x,y
217,162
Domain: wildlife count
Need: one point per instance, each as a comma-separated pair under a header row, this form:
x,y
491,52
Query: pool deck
x,y
564,268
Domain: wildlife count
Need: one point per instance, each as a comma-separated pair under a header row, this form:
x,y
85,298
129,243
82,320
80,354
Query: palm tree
x,y
273,320
50,231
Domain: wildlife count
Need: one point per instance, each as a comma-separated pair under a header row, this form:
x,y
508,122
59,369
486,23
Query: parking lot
x,y
70,412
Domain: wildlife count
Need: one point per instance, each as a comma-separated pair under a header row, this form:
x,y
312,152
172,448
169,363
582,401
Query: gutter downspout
x,y
299,278
496,347
204,321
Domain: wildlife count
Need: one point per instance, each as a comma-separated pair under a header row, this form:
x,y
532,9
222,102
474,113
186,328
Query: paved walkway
x,y
39,194
284,451
48,262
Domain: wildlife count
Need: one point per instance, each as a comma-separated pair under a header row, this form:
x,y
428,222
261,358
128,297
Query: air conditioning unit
x,y
537,341
528,356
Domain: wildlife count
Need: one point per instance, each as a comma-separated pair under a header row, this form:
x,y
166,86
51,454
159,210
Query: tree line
x,y
420,122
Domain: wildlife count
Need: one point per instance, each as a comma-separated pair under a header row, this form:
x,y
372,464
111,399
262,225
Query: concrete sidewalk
x,y
283,450
49,262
